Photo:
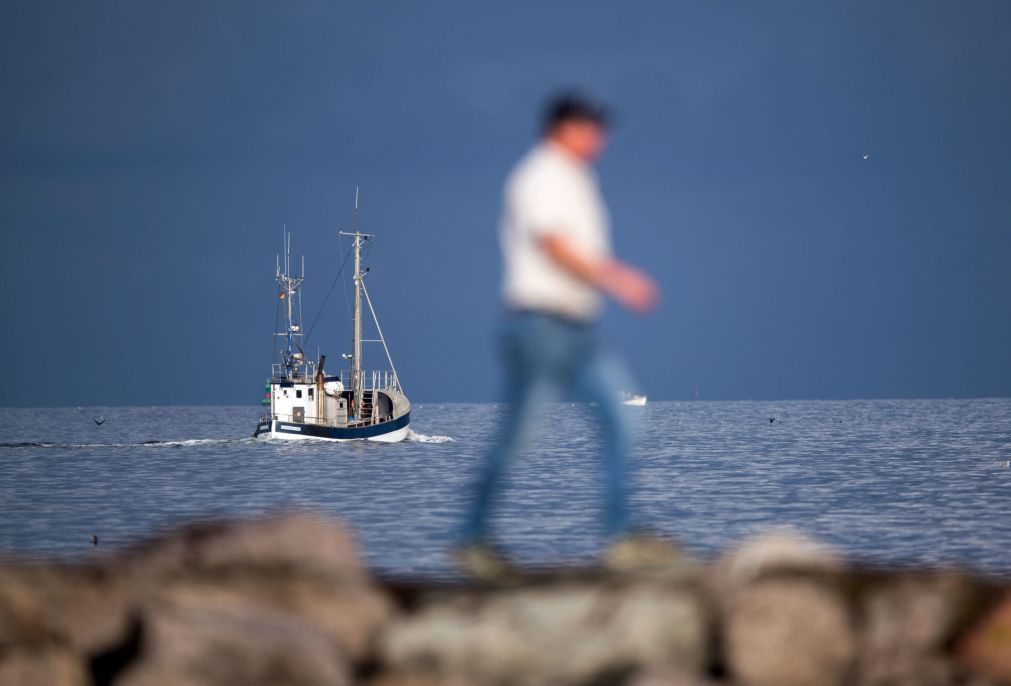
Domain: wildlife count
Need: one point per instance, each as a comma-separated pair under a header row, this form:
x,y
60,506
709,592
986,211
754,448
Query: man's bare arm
x,y
629,286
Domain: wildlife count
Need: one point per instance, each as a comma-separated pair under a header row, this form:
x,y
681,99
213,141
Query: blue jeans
x,y
545,357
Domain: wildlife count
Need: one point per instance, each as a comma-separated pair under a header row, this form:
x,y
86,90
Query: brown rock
x,y
907,623
349,615
986,649
788,632
774,551
299,541
212,637
569,633
670,678
416,680
82,607
22,615
50,667
285,595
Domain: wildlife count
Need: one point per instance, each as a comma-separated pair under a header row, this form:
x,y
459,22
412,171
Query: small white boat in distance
x,y
633,399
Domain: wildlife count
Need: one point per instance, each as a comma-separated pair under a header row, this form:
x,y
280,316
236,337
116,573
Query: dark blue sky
x,y
151,152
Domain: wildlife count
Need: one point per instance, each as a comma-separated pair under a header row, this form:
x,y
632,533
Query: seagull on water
x,y
94,539
867,155
99,420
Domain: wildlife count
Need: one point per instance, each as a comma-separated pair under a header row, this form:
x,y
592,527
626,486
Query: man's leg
x,y
602,378
528,387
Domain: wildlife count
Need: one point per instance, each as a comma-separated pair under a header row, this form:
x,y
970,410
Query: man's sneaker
x,y
483,561
643,552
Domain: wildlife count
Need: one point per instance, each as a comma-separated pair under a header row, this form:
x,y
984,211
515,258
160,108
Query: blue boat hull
x,y
395,429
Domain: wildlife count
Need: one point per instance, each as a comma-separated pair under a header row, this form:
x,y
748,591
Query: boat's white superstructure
x,y
306,403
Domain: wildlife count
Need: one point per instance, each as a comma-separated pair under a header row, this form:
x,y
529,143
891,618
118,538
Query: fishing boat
x,y
306,403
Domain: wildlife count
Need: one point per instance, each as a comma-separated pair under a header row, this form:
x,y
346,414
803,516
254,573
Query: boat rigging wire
x,y
323,305
382,339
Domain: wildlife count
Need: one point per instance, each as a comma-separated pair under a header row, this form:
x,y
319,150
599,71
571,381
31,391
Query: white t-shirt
x,y
551,192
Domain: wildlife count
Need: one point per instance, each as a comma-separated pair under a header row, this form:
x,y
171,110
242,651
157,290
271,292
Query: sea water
x,y
924,482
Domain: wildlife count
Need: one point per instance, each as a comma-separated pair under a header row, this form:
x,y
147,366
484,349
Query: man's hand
x,y
632,288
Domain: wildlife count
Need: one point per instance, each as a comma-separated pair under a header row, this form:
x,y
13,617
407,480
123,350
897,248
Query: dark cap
x,y
572,105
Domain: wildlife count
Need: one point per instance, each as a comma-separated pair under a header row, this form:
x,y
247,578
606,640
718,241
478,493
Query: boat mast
x,y
357,361
291,293
357,376
289,288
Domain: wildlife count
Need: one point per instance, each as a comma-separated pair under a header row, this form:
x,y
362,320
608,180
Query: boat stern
x,y
263,428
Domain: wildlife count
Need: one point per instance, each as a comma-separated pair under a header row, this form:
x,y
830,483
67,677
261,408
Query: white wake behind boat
x,y
308,404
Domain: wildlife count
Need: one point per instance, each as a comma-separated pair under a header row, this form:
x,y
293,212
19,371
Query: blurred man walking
x,y
556,247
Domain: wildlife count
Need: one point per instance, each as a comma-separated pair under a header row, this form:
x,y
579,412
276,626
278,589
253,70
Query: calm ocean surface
x,y
905,481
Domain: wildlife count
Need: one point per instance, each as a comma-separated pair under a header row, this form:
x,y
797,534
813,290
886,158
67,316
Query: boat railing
x,y
375,380
372,380
303,373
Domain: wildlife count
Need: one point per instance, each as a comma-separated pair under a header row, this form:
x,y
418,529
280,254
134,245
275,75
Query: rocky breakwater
x,y
285,600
